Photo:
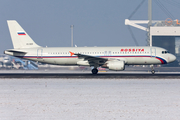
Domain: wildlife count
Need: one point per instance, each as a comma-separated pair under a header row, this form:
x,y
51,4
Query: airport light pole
x,y
150,22
72,26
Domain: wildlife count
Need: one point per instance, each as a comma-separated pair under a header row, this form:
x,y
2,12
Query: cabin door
x,y
39,53
153,52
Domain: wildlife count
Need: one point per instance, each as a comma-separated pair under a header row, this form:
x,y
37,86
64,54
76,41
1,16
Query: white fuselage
x,y
113,58
142,55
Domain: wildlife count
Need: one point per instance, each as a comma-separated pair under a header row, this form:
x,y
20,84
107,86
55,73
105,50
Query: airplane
x,y
113,58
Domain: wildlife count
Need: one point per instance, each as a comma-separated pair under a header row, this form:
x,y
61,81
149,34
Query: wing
x,y
91,58
95,61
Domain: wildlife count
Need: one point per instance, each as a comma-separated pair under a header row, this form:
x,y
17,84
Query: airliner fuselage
x,y
114,58
130,55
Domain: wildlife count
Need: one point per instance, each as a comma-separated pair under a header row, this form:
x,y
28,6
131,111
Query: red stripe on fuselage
x,y
160,60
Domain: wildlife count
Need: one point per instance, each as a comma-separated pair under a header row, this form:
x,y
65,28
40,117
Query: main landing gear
x,y
152,69
94,71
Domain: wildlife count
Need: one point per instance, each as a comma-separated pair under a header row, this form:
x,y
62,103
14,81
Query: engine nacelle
x,y
116,65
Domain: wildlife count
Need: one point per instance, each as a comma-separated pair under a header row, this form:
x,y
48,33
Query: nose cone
x,y
173,58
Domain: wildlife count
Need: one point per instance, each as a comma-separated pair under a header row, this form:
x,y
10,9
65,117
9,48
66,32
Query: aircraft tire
x,y
94,71
153,71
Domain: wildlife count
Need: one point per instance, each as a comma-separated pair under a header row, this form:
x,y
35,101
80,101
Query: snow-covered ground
x,y
89,99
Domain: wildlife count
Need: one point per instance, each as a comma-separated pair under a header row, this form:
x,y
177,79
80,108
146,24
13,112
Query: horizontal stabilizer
x,y
17,51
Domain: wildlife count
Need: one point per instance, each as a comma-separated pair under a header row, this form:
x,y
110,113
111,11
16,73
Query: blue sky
x,y
96,22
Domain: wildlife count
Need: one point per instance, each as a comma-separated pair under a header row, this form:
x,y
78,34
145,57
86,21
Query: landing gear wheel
x,y
153,71
94,71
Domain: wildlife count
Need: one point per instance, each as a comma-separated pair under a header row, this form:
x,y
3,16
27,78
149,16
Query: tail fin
x,y
20,38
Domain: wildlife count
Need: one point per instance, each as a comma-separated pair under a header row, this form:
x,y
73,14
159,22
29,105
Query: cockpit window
x,y
165,52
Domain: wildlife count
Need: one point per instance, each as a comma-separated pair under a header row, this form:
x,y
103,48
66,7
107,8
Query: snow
x,y
89,99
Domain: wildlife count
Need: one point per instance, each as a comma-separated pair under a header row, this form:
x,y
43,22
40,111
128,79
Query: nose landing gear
x,y
152,69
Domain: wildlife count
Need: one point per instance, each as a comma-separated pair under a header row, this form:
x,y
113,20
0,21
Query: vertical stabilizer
x,y
20,38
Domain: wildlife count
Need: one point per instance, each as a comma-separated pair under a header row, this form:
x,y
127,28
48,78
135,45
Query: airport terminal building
x,y
166,34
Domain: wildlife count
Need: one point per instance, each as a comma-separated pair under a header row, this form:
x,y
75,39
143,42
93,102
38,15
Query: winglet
x,y
71,53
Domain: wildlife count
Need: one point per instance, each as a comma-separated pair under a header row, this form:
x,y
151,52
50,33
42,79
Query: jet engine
x,y
116,65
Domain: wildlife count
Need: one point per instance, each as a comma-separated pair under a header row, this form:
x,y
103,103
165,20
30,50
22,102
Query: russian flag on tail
x,y
21,33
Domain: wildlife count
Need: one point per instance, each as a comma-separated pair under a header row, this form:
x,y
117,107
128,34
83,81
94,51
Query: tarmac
x,y
89,75
64,72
